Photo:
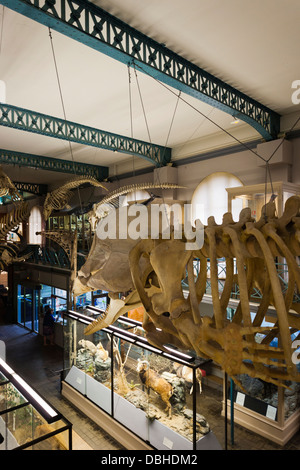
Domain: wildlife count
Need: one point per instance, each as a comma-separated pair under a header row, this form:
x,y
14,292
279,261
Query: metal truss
x,y
32,188
38,123
90,25
52,164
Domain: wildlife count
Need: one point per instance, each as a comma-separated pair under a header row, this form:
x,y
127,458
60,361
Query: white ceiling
x,y
253,46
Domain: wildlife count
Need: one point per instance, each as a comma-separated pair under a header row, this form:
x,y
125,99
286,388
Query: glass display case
x,y
27,421
262,407
98,299
72,222
152,394
265,408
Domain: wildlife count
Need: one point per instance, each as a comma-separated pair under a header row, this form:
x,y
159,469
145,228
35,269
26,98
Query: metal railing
x,y
49,256
282,271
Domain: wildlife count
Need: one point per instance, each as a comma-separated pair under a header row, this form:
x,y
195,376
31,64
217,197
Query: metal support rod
x,y
112,372
232,410
194,409
89,24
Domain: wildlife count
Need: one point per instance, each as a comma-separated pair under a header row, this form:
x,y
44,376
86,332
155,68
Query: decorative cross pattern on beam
x,y
33,188
38,123
90,25
52,164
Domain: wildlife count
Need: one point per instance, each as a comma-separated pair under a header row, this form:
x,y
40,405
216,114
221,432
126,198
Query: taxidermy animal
x,y
88,345
159,385
151,272
186,373
101,353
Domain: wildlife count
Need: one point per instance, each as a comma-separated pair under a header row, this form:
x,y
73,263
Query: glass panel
x,y
10,397
87,363
291,399
36,311
101,302
2,378
46,296
158,395
84,300
67,222
60,303
153,396
21,426
20,304
16,427
28,306
59,441
60,292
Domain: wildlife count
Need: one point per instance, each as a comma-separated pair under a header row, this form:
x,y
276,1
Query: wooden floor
x,y
40,366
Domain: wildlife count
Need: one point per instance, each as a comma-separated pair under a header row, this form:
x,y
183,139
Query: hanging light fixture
x,y
235,120
43,407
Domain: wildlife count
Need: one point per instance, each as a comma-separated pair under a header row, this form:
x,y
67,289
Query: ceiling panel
x,y
250,45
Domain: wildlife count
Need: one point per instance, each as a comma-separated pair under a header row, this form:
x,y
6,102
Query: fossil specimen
x,y
7,187
12,219
151,271
60,197
112,199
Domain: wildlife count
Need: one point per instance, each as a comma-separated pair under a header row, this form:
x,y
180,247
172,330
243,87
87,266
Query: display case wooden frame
x,y
259,417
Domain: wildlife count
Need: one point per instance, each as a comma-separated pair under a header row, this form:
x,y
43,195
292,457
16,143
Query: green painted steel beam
x,y
38,123
33,188
52,164
87,23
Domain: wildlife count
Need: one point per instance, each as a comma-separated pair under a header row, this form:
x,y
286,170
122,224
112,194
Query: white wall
x,y
245,165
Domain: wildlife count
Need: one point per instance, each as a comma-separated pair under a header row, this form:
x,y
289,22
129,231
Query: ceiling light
x,y
31,395
182,355
235,120
34,398
6,367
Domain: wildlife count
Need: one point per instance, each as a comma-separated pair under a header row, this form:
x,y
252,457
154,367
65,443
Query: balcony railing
x,y
48,256
282,271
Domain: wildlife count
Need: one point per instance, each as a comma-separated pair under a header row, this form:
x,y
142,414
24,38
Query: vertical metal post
x,y
112,372
70,438
194,409
232,411
225,399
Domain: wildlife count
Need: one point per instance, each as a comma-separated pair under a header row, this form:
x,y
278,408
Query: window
x,y
210,197
35,225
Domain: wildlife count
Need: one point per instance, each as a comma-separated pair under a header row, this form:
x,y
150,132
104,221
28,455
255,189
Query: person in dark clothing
x,y
48,326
